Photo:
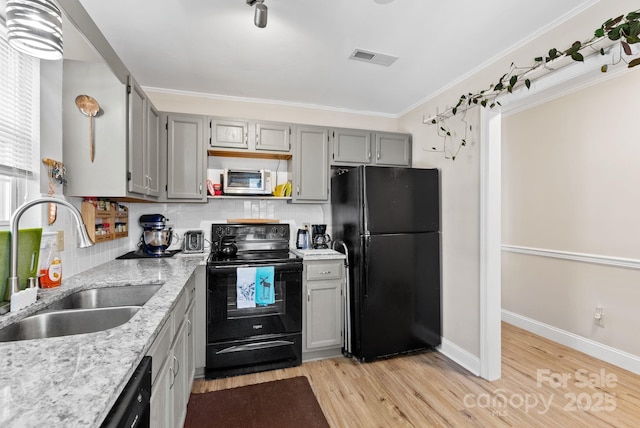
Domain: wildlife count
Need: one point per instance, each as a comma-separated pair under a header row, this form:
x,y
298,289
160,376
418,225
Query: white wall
x,y
199,104
570,175
460,178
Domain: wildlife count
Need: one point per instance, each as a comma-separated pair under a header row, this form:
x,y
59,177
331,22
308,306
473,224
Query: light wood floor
x,y
428,389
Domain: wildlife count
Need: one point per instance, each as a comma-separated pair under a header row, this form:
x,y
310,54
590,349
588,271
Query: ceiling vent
x,y
373,57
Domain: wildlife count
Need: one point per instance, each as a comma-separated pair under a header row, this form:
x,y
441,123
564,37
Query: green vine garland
x,y
623,29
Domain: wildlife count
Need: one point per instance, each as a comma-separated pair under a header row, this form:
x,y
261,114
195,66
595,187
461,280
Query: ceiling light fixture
x,y
260,17
34,27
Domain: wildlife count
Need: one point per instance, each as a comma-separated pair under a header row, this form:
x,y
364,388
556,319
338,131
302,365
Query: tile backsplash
x,y
182,217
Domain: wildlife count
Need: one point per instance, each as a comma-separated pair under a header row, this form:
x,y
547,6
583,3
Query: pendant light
x,y
260,16
34,27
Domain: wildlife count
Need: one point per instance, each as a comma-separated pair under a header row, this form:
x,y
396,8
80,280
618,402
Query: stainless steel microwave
x,y
247,182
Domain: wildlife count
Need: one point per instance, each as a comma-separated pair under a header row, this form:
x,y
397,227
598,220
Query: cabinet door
x,y
153,151
179,370
161,412
324,314
137,135
272,136
229,134
393,149
190,357
311,180
351,146
185,157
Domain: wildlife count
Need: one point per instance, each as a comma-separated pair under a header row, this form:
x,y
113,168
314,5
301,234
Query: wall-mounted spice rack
x,y
105,220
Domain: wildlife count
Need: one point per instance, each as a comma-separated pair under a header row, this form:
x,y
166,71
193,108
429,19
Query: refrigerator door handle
x,y
365,268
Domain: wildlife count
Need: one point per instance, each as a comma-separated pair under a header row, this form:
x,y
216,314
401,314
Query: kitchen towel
x,y
246,288
265,294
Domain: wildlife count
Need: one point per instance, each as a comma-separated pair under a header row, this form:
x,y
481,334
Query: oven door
x,y
225,321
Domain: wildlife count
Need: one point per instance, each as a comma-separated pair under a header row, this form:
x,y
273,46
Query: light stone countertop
x,y
327,254
73,381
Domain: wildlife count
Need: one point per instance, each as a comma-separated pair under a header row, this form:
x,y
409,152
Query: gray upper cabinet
x,y
137,134
251,136
273,136
392,149
360,147
229,134
153,151
185,157
311,164
120,135
144,153
350,146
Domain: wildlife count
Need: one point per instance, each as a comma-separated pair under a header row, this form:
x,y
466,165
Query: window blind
x,y
19,104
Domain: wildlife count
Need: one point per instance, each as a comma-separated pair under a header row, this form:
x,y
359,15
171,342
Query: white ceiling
x,y
212,46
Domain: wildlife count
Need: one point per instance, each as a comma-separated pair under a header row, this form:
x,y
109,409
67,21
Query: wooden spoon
x,y
89,107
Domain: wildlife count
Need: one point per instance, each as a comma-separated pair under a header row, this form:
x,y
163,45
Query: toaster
x,y
193,241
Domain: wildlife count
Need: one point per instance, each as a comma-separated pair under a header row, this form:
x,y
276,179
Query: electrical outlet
x,y
60,240
598,317
307,226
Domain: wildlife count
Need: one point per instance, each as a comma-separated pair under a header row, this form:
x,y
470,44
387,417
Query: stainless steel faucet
x,y
83,237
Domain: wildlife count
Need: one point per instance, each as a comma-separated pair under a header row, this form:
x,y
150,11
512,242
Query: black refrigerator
x,y
389,219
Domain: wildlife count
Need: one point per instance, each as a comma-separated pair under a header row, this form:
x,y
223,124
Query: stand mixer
x,y
156,235
320,239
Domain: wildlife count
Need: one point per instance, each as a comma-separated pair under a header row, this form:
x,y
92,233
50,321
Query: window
x,y
19,123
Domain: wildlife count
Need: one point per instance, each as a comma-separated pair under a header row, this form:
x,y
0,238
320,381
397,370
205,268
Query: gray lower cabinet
x,y
311,164
350,147
323,308
172,355
183,136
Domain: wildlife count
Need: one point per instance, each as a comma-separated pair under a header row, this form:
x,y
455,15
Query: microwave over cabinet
x,y
247,182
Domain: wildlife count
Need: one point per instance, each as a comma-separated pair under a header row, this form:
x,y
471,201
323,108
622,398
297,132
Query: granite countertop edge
x,y
324,254
75,380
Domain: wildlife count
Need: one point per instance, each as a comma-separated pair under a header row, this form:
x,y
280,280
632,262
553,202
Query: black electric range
x,y
246,334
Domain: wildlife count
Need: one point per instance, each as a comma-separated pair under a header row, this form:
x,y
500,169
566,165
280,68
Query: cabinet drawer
x,y
160,349
330,269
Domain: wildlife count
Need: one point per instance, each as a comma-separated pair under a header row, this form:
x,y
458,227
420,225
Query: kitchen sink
x,y
67,322
128,295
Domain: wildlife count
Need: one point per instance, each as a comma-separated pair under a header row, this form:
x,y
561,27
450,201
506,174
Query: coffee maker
x,y
319,238
156,235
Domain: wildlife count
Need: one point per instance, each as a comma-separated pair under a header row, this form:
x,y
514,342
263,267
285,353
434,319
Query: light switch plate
x,y
60,240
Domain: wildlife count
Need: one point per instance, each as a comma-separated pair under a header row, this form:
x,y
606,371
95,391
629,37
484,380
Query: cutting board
x,y
252,220
28,256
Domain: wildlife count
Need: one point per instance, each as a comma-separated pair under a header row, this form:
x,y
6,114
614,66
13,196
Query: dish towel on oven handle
x,y
265,293
246,288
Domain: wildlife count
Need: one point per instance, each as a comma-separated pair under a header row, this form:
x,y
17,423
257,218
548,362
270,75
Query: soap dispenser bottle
x,y
51,267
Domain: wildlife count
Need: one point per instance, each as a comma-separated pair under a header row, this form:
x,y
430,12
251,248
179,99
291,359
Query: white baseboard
x,y
590,347
460,356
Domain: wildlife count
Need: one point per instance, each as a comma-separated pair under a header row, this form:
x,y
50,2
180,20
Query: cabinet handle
x,y
298,190
378,155
246,138
200,188
369,155
190,327
175,375
324,272
257,139
308,295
